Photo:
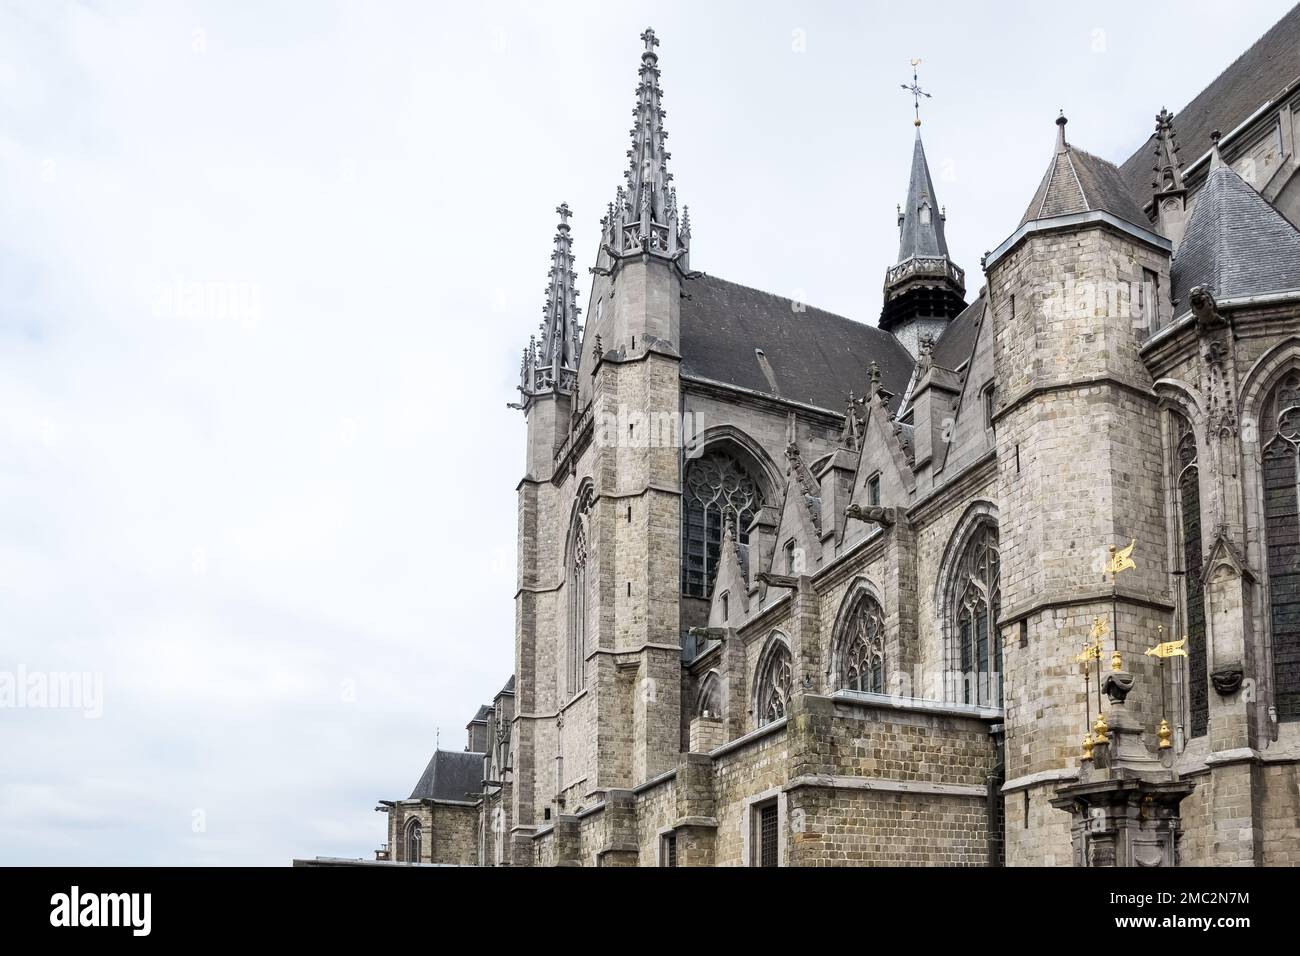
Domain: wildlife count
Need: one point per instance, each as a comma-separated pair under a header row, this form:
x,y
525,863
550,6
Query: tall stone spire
x,y
924,289
644,216
1169,193
551,362
920,223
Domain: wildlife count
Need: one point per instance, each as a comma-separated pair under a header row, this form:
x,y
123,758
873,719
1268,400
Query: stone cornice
x,y
1092,219
1062,597
1138,390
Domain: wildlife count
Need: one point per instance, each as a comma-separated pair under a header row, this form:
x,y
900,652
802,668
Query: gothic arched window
x,y
708,703
1188,488
772,682
717,490
975,603
1280,422
414,833
860,646
575,658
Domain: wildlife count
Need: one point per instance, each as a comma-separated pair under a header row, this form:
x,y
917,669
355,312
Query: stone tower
x,y
598,646
1078,443
924,289
632,361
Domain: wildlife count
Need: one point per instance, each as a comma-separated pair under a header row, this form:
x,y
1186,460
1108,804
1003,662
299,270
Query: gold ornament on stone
x,y
1121,560
1165,735
1099,729
1168,649
1087,746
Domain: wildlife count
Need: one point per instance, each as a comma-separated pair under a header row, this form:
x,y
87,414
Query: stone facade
x,y
856,640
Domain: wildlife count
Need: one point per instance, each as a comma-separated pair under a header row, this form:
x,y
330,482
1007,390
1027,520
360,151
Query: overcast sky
x,y
266,270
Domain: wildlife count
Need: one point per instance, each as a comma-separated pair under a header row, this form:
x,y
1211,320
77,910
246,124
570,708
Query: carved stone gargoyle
x,y
709,633
1227,679
881,516
1206,309
778,580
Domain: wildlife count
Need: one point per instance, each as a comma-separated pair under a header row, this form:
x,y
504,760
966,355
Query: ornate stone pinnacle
x,y
645,219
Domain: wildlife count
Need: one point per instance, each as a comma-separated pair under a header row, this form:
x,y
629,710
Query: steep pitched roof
x,y
1235,243
450,775
1252,80
920,235
813,356
955,344
482,714
1077,181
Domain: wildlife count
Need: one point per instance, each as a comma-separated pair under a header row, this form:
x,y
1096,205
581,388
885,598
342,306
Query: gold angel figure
x,y
1121,560
1100,628
1169,649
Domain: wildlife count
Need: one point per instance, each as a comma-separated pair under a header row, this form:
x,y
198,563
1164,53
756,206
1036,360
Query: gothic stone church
x,y
799,590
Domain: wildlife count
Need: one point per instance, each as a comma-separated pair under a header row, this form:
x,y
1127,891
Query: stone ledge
x,y
882,785
916,705
1062,775
748,738
696,822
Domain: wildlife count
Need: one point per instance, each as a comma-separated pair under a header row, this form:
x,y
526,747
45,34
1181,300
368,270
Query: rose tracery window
x,y
717,491
1280,422
976,604
772,683
861,647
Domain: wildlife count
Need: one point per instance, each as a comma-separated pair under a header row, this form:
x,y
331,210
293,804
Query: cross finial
x,y
649,39
916,91
564,213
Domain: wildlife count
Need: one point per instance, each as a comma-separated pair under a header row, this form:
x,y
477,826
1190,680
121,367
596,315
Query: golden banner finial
x,y
1168,649
1099,629
1121,559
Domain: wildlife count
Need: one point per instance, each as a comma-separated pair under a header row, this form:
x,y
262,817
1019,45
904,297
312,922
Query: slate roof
x,y
1235,243
1252,80
482,714
450,775
917,238
509,688
958,339
1077,181
816,357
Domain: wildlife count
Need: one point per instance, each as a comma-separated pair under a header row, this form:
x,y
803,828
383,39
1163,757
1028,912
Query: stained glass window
x,y
414,832
772,682
1282,527
860,651
1187,476
977,602
717,491
579,599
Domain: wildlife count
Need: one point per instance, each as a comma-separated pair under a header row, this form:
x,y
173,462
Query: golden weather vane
x,y
916,91
1162,651
1168,649
1121,560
